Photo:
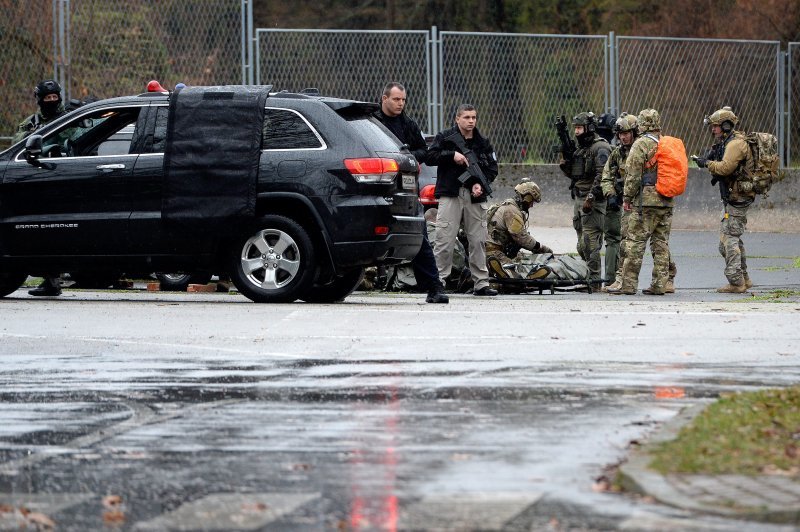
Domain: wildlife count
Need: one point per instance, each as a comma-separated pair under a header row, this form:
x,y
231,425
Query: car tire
x,y
9,282
337,289
179,282
274,262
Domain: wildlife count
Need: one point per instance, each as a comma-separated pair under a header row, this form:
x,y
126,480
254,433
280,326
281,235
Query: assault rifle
x,y
566,145
715,153
473,170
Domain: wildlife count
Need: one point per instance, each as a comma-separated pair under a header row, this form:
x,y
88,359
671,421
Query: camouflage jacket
x,y
643,150
586,165
736,158
507,224
613,178
34,122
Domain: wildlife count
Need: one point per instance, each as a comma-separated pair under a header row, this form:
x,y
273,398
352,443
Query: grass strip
x,y
748,433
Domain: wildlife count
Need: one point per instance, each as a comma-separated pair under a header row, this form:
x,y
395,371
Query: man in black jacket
x,y
462,196
391,114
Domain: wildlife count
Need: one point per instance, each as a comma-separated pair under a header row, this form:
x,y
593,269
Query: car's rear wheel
x,y
273,263
337,289
179,282
9,282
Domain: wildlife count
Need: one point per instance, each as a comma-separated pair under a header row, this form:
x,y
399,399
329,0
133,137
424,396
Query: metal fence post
x,y
779,95
433,77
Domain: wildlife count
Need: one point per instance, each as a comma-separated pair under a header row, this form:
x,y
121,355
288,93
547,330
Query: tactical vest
x,y
582,170
496,234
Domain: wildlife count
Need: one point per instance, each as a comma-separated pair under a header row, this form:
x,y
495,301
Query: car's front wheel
x,y
9,282
335,290
273,263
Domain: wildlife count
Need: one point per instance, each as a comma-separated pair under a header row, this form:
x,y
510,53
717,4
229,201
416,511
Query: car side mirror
x,y
33,147
33,150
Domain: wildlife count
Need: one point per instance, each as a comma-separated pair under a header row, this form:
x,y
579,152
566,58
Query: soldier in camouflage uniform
x,y
588,215
650,212
51,106
612,183
508,233
727,162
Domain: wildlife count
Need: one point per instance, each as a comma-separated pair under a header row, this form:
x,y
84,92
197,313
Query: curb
x,y
719,494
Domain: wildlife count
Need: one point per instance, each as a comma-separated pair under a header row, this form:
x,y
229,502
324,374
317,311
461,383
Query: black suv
x,y
290,194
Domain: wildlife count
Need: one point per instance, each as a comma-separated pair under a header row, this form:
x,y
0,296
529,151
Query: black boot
x,y
437,295
51,286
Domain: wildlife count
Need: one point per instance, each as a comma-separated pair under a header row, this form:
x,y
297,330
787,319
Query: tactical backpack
x,y
763,171
673,165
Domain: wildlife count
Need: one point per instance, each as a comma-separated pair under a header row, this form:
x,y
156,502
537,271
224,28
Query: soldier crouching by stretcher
x,y
508,233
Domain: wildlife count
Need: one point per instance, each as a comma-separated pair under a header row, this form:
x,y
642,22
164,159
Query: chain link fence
x,y
688,79
793,106
519,83
27,32
348,64
105,48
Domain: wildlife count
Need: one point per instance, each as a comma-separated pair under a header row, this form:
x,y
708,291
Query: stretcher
x,y
551,284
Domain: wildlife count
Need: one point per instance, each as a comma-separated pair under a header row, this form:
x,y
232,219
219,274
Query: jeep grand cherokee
x,y
292,195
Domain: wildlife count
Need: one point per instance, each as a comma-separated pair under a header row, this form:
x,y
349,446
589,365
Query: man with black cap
x,y
51,106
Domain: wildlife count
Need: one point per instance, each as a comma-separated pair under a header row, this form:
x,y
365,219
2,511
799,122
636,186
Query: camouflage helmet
x,y
720,116
649,120
587,120
528,192
626,122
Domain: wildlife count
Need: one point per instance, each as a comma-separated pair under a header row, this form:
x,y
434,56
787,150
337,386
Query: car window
x,y
93,133
285,129
380,137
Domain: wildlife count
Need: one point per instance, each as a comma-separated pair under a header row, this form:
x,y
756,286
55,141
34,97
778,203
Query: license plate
x,y
409,182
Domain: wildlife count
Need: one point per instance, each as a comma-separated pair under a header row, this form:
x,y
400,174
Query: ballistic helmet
x,y
48,86
528,193
605,126
722,117
626,122
649,120
587,120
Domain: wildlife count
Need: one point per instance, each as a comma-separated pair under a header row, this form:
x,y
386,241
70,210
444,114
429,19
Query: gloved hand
x,y
587,204
701,162
714,180
543,249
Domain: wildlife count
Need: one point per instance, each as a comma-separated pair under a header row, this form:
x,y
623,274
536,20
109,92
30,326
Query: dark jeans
x,y
424,265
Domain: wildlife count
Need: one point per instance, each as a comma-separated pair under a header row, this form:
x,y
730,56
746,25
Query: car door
x,y
77,202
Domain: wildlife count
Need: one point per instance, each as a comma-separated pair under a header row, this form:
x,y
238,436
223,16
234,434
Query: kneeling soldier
x,y
508,233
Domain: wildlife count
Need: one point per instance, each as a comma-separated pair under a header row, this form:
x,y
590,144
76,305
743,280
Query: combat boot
x,y
732,289
51,286
437,295
538,273
669,287
747,282
621,291
653,292
616,285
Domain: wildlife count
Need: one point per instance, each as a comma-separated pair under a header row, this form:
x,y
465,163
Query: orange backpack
x,y
673,166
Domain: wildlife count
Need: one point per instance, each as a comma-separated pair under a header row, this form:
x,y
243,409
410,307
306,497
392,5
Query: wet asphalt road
x,y
208,412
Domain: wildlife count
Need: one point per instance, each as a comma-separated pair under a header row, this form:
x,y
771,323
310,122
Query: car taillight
x,y
426,196
372,169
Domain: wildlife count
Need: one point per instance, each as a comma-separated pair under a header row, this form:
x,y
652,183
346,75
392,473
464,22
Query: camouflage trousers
x,y
653,224
623,251
589,227
731,247
612,233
